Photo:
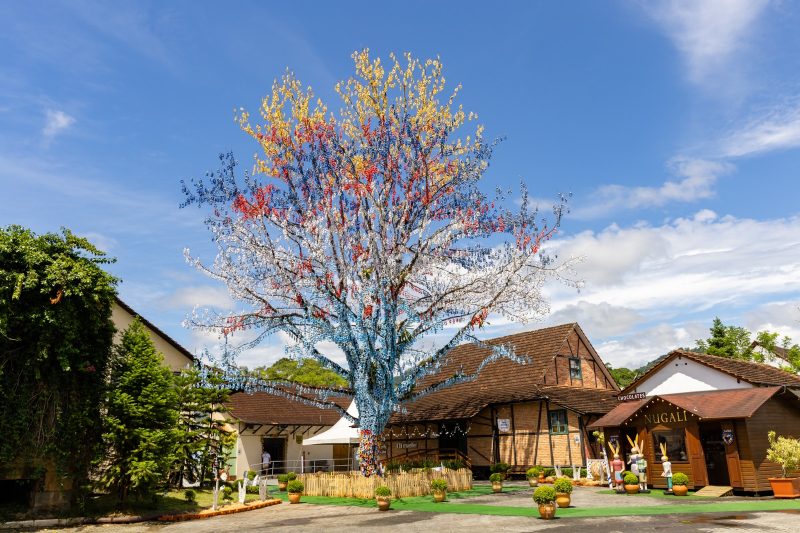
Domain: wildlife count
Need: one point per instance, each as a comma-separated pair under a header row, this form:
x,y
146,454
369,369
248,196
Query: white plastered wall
x,y
173,359
248,450
685,375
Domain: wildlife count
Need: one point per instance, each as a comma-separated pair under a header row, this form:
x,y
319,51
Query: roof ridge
x,y
728,359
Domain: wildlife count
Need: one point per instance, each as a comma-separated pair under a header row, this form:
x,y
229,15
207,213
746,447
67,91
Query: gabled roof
x,y
272,409
778,351
751,372
706,405
152,327
504,381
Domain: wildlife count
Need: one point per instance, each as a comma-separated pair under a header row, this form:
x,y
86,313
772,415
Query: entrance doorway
x,y
453,436
277,452
714,452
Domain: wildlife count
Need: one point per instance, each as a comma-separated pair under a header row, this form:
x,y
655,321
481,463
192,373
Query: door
x,y
341,457
714,453
732,453
276,446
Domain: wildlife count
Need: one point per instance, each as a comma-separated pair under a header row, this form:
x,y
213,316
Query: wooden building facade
x,y
716,434
529,414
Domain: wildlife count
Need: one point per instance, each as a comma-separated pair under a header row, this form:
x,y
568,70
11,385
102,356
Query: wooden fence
x,y
354,485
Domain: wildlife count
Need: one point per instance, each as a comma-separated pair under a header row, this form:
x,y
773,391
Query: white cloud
x,y
779,129
634,350
602,319
103,242
643,281
693,263
204,296
698,177
783,317
56,122
709,34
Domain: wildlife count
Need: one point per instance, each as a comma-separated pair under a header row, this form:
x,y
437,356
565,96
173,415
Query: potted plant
x,y
563,488
439,489
680,482
295,488
383,495
786,452
632,483
545,497
497,482
541,474
283,479
500,468
291,476
533,474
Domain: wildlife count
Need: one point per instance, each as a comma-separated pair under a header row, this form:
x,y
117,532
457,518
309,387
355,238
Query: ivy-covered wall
x,y
55,340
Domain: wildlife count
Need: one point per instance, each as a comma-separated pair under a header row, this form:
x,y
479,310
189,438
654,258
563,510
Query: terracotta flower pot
x,y
632,489
680,490
562,499
785,487
282,485
547,510
541,478
439,496
294,497
384,503
533,482
497,486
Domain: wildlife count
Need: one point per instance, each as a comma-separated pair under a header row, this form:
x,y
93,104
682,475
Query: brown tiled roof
x,y
266,408
751,372
706,405
582,400
504,381
620,413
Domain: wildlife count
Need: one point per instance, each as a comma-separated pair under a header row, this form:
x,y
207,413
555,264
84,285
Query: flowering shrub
x,y
785,451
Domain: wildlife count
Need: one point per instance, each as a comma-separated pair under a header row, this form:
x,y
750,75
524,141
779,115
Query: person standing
x,y
265,460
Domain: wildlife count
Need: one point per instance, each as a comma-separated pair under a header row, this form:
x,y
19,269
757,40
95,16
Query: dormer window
x,y
575,371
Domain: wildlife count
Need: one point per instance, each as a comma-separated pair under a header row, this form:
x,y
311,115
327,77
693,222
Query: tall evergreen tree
x,y
726,341
202,436
140,424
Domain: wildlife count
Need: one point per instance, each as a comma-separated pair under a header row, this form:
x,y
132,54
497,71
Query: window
x,y
675,439
575,368
558,422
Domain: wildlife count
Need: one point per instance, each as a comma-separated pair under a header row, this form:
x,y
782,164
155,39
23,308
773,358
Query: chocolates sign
x,y
666,417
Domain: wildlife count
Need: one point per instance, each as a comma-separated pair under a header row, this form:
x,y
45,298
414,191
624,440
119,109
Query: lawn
x,y
426,504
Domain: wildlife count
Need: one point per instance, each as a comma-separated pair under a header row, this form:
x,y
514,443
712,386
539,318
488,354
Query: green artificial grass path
x,y
426,504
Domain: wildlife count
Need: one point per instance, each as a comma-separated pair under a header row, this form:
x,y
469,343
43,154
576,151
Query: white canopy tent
x,y
341,432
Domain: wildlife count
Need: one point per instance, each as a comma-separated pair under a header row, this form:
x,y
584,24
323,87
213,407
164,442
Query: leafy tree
x,y
141,417
623,376
202,436
55,340
726,341
368,230
306,371
785,348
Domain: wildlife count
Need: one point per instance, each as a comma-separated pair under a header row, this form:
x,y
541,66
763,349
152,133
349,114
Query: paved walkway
x,y
335,519
588,497
339,518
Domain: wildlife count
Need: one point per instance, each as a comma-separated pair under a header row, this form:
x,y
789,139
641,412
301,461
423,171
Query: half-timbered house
x,y
535,413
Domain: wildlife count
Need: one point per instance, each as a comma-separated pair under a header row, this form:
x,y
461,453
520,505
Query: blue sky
x,y
676,126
